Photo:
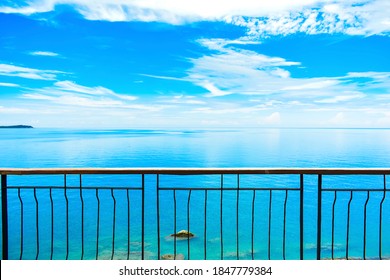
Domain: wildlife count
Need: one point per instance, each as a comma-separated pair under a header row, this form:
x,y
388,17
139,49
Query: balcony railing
x,y
223,213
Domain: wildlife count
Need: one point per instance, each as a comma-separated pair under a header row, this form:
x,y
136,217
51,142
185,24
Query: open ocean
x,y
312,148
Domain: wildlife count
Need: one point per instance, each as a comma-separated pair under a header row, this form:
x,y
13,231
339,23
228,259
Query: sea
x,y
48,222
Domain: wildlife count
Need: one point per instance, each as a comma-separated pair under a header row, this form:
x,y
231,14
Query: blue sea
x,y
266,148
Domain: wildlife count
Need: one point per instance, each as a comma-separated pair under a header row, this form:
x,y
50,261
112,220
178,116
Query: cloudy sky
x,y
195,64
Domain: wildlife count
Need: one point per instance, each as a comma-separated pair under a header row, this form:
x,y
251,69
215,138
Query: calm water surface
x,y
363,148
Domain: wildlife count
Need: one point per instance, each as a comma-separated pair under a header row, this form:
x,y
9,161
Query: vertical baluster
x,y
82,218
188,224
319,216
97,223
52,224
143,218
174,224
365,225
66,217
221,213
253,225
21,225
348,224
205,225
113,224
4,215
158,216
237,219
301,213
128,223
380,216
36,221
284,225
333,218
269,223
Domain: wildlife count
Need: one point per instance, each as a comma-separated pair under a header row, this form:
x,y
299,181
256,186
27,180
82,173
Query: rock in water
x,y
183,234
172,257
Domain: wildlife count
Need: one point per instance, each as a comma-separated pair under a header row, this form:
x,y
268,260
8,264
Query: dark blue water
x,y
315,148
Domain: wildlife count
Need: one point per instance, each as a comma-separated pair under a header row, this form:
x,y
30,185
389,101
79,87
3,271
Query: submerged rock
x,y
183,234
172,257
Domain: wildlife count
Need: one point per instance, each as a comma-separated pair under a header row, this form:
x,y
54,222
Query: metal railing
x,y
237,213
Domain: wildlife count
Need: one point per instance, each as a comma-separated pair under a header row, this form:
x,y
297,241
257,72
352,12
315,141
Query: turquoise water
x,y
313,148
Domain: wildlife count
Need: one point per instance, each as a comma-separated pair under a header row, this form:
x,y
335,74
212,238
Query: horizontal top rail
x,y
195,171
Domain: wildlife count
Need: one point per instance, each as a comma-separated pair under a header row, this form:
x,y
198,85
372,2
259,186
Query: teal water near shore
x,y
314,148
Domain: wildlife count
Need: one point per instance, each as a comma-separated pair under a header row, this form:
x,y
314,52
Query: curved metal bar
x,y
269,223
380,216
113,225
21,225
348,224
97,224
333,214
36,221
66,217
365,226
188,225
82,217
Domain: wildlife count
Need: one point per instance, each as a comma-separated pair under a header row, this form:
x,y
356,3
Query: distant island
x,y
16,126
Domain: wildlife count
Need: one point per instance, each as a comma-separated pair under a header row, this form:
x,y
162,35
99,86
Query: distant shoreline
x,y
16,126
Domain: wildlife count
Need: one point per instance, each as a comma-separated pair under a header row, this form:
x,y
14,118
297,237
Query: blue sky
x,y
195,64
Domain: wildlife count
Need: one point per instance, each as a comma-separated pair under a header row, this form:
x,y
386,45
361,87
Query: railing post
x,y
4,212
301,217
319,216
143,218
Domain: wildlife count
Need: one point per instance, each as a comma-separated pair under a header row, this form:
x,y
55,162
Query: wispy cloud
x,y
233,70
164,77
71,94
28,73
14,110
323,17
43,53
261,18
341,98
8,85
183,99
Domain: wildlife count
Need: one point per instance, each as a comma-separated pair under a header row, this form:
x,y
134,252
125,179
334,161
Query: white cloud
x,y
184,99
341,98
28,73
233,70
272,119
14,110
229,109
314,84
172,11
73,87
43,53
261,18
324,17
338,119
71,94
8,85
163,77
